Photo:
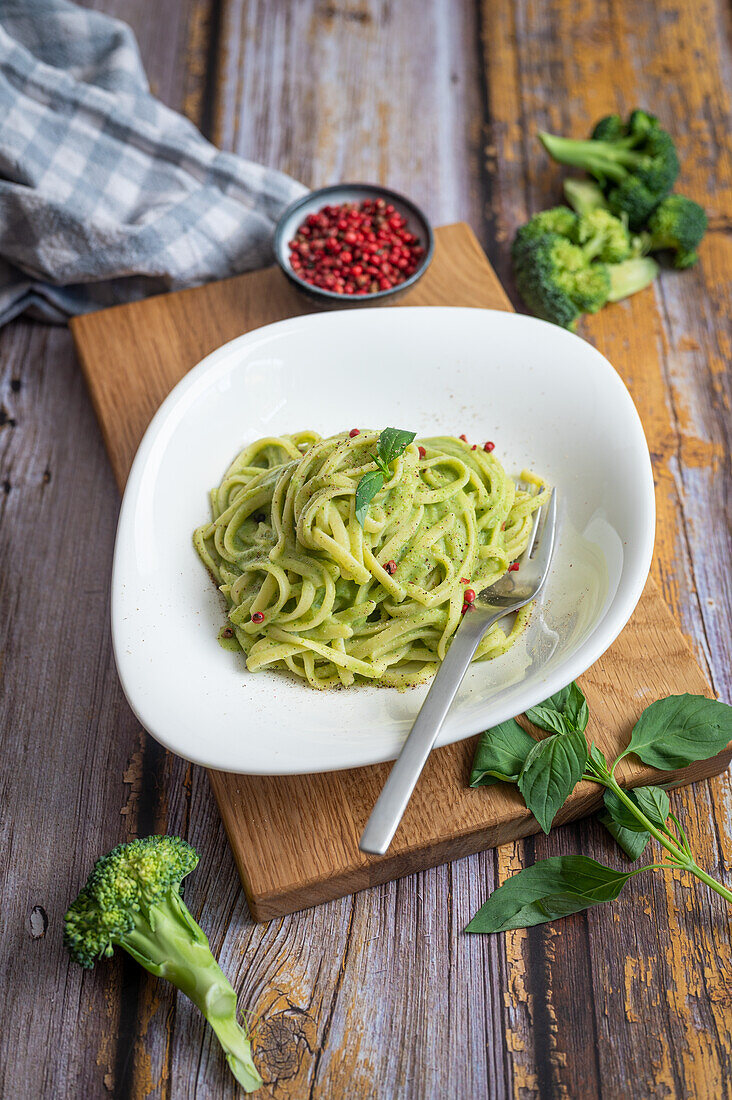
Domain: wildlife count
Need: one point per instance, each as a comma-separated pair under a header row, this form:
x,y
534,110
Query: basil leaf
x,y
673,732
632,842
654,803
550,773
627,830
651,801
576,709
546,718
366,490
620,813
392,443
566,710
552,888
597,756
500,754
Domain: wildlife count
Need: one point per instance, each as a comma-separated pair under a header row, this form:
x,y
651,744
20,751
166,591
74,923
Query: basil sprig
x,y
392,443
671,733
547,771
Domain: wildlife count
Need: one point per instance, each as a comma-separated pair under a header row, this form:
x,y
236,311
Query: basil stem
x,y
677,848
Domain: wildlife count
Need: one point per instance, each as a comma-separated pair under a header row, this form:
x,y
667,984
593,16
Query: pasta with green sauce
x,y
312,590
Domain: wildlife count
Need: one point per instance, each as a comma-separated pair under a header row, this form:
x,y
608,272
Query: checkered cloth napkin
x,y
106,195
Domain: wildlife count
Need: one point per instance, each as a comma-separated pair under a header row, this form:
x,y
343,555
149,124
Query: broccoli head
x,y
677,225
556,280
578,265
604,237
599,234
132,900
609,128
635,163
559,219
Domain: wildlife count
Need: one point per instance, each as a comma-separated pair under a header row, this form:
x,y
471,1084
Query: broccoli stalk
x,y
584,196
630,276
635,163
132,900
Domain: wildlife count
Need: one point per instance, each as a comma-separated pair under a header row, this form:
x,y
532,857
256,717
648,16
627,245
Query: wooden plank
x,y
624,995
77,775
295,839
60,689
357,90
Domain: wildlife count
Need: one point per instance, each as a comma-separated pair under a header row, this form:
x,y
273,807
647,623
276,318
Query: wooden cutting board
x,y
295,838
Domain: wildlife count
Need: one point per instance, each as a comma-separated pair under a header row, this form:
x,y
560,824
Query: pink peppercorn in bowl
x,y
353,244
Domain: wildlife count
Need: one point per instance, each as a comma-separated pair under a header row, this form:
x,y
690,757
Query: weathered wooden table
x,y
378,995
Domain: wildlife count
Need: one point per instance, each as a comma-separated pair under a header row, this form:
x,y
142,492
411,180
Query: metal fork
x,y
509,593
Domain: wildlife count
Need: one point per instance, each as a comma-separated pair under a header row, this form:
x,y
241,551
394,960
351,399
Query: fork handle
x,y
396,792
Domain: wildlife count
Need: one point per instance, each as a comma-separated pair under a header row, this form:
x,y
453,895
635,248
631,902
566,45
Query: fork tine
x,y
543,545
531,544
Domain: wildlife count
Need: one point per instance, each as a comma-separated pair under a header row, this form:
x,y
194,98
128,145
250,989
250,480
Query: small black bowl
x,y
295,214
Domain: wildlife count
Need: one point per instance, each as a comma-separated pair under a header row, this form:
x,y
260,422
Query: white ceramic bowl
x,y
546,398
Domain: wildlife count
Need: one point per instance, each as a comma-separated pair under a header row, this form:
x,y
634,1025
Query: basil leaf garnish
x,y
380,463
500,754
674,732
367,488
392,443
566,710
550,773
553,888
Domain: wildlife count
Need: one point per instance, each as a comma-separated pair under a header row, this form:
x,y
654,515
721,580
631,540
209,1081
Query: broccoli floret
x,y
635,163
604,237
559,219
556,280
559,277
600,234
610,128
677,225
132,900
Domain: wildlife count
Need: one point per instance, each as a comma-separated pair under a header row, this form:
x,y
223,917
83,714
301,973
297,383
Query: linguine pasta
x,y
310,590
